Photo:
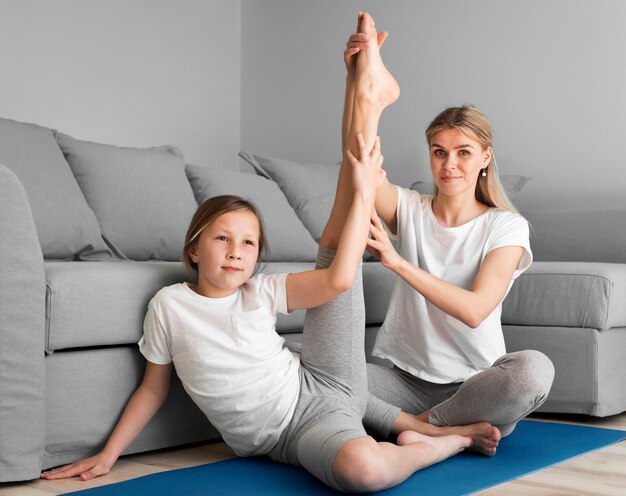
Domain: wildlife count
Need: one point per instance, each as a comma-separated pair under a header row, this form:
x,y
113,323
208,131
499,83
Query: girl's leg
x,y
333,348
333,338
516,385
363,465
374,89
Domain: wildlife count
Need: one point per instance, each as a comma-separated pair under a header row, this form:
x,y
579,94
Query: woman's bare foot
x,y
485,437
374,83
442,447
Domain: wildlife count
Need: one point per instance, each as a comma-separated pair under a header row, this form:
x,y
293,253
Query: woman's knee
x,y
358,467
531,374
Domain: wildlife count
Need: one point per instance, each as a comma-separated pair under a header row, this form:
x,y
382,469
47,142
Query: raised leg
x,y
374,89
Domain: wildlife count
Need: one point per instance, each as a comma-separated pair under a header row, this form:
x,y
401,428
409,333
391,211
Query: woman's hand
x,y
380,245
367,175
357,42
86,469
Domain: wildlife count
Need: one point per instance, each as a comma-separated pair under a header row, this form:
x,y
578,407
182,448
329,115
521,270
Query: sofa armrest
x,y
568,294
22,335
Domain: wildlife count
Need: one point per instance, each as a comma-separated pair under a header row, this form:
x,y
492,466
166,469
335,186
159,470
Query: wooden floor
x,y
602,472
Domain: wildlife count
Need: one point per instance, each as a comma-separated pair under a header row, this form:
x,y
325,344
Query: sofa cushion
x,y
66,226
568,294
90,304
578,236
102,303
309,188
140,196
287,238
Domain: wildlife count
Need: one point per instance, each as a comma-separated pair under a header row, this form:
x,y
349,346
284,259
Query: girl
x,y
459,253
220,334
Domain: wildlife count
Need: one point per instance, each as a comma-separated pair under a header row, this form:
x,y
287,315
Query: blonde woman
x,y
459,252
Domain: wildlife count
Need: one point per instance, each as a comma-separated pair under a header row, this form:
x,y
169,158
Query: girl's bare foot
x,y
374,83
442,447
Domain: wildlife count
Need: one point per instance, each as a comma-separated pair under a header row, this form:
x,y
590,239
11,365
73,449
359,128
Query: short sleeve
x,y
271,290
512,230
407,198
155,343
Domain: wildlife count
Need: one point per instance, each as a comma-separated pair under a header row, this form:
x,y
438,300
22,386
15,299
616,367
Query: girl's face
x,y
456,160
226,253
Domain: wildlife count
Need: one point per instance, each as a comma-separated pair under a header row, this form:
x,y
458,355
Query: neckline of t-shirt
x,y
208,300
452,228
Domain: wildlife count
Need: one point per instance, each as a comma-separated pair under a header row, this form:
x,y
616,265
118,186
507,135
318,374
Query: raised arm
x,y
469,306
142,406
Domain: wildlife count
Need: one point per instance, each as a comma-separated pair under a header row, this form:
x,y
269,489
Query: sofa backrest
x,y
578,236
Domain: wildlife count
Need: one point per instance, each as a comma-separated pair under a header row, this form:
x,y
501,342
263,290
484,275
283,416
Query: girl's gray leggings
x,y
515,385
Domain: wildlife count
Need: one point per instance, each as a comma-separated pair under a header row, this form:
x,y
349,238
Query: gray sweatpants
x,y
515,385
333,383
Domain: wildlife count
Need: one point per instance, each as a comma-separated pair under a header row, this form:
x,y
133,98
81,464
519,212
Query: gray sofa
x,y
90,232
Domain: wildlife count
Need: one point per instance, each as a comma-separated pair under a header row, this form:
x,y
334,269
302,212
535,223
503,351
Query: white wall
x,y
550,75
127,72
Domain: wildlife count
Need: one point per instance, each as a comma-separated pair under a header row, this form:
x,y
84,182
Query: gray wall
x,y
550,75
266,76
136,73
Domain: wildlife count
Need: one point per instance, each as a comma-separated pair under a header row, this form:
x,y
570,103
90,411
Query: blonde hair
x,y
210,210
472,122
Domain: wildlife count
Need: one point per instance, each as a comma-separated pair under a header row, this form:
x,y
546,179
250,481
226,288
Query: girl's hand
x,y
380,245
86,469
357,42
367,175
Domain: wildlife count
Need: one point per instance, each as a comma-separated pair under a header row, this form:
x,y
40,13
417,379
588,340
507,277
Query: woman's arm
x,y
469,306
142,406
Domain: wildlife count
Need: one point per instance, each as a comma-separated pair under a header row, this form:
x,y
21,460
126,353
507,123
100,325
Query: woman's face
x,y
456,160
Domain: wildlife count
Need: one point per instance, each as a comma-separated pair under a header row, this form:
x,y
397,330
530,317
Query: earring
x,y
484,173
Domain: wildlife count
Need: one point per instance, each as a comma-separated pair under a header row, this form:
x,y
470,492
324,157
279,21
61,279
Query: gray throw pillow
x,y
141,196
512,184
287,238
66,227
309,188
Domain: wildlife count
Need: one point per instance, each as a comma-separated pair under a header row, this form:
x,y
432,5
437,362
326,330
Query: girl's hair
x,y
473,123
210,210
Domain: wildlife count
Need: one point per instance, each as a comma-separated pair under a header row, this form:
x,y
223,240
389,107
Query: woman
x,y
459,253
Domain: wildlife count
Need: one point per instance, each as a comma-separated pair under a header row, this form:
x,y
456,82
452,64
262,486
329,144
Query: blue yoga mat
x,y
532,446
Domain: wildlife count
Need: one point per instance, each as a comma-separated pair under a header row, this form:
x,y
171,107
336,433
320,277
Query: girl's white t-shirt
x,y
229,357
417,336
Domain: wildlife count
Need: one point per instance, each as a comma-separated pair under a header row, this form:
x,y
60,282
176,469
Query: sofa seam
x,y
49,312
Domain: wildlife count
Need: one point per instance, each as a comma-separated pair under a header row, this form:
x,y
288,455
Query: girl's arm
x,y
142,406
316,287
469,306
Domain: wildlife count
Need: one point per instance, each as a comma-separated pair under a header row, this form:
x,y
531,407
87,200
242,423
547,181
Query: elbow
x,y
474,319
340,284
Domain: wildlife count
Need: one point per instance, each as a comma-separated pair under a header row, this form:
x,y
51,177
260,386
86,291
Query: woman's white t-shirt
x,y
417,336
229,357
